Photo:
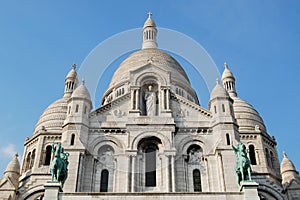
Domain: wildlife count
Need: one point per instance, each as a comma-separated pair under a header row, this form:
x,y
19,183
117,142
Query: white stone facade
x,y
179,151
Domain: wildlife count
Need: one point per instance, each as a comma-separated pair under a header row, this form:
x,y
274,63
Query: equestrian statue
x,y
242,165
59,165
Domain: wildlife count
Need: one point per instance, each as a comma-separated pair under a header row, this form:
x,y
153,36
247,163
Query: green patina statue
x,y
242,165
59,165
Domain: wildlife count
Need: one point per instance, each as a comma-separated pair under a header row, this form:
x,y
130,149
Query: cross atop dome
x,y
149,14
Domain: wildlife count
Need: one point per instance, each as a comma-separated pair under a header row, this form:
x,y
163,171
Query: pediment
x,y
150,70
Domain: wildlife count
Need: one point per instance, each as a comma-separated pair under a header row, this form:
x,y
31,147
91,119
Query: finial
x,y
16,155
217,81
74,66
82,82
284,154
225,65
149,14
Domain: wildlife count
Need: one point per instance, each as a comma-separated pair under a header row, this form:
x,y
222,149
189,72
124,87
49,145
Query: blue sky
x,y
39,41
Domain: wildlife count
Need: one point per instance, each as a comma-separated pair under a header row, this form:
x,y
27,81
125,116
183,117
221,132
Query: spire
x,y
288,170
149,33
71,81
228,81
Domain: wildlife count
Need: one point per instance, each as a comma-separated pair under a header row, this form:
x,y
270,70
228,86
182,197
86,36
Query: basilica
x,y
149,138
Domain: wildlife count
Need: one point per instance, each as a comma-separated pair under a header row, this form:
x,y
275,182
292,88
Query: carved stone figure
x,y
150,101
242,165
195,156
59,165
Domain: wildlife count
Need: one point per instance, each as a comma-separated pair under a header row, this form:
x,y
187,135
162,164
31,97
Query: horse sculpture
x,y
242,167
59,166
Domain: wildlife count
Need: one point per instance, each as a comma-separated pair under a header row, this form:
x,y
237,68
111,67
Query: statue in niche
x,y
107,157
150,101
195,156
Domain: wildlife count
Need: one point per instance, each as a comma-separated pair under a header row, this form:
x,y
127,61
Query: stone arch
x,y
186,142
166,143
268,190
141,77
34,192
106,140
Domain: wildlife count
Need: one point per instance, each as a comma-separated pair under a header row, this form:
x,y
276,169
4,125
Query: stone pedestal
x,y
250,190
52,190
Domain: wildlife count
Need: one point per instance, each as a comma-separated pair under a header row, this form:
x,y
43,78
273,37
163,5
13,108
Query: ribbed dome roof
x,y
54,116
145,56
149,23
13,165
247,117
81,92
218,91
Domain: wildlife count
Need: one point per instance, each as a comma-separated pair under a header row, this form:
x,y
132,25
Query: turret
x,y
221,107
12,171
71,82
288,171
149,33
228,81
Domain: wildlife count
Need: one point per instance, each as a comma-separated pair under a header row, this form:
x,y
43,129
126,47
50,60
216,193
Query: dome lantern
x,y
71,81
149,33
228,81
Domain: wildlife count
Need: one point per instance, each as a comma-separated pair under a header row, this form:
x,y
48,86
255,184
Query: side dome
x,y
218,91
81,92
53,117
144,56
247,117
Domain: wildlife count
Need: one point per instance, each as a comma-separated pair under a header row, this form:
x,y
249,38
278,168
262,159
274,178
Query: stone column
x,y
173,173
167,173
163,98
137,99
133,172
168,99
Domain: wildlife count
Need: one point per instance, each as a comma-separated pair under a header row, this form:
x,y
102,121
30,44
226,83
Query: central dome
x,y
145,56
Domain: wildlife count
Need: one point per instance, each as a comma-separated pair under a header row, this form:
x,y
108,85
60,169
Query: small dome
x,y
13,165
81,92
149,22
247,117
72,73
227,73
218,91
53,117
286,164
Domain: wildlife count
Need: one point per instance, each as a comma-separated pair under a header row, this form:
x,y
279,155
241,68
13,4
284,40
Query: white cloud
x,y
8,151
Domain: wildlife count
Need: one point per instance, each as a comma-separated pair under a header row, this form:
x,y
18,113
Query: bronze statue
x,y
242,165
59,165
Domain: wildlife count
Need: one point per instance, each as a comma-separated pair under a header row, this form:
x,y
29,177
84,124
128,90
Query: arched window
x,y
32,159
227,139
76,108
215,109
27,166
197,180
252,154
104,180
150,167
48,155
223,108
72,139
267,157
271,159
